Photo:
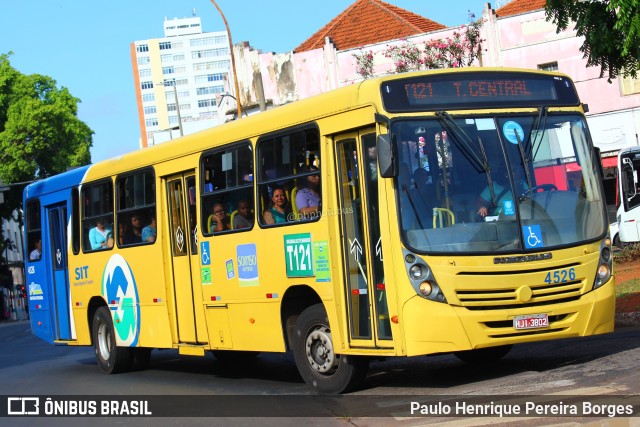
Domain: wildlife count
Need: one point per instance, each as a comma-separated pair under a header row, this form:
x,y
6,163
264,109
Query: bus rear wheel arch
x,y
315,357
111,358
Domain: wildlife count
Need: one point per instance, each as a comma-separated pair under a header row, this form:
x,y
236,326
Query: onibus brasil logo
x,y
120,290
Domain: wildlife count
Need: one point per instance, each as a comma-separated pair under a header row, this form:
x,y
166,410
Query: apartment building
x,y
178,79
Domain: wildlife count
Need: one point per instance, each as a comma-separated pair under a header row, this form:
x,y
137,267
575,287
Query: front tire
x,y
111,358
317,362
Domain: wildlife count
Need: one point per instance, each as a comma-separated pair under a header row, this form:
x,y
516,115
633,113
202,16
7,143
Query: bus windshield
x,y
497,184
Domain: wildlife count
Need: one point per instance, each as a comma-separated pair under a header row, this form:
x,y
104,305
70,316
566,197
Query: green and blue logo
x,y
121,292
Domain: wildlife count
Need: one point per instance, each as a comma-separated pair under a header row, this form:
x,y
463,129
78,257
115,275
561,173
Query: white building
x,y
194,62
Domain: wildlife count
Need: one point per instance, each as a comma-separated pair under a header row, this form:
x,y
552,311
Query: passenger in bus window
x,y
280,210
122,231
134,233
36,253
100,235
149,232
218,221
244,217
308,196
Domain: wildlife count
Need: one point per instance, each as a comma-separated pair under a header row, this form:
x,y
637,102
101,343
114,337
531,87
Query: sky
x,y
85,45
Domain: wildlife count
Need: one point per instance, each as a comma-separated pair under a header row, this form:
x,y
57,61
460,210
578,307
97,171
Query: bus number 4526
x,y
560,276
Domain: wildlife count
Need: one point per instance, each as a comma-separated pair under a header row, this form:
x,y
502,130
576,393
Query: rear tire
x,y
617,243
317,362
111,358
483,355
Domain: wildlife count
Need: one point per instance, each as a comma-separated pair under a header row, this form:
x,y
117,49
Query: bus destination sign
x,y
477,90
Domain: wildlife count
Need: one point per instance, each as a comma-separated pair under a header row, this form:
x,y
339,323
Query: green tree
x,y
40,132
611,31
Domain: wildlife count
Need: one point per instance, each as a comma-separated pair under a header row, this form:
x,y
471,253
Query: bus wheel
x,y
317,362
111,358
483,355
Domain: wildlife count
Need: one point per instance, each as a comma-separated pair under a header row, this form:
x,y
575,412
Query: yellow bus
x,y
440,211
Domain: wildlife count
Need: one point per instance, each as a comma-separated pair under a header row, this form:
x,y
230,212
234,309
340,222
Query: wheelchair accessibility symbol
x,y
532,236
204,253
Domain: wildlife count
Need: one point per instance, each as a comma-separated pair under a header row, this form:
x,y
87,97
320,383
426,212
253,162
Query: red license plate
x,y
531,321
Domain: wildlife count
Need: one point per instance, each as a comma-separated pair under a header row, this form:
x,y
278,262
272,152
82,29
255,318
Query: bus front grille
x,y
498,299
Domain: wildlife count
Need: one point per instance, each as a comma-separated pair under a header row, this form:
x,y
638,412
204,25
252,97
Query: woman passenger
x,y
280,210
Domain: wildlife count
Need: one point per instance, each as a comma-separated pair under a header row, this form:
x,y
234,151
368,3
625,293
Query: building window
x,y
146,85
205,103
167,70
549,66
165,45
145,72
142,48
629,85
178,57
144,60
150,109
148,97
180,70
151,122
209,90
210,78
167,57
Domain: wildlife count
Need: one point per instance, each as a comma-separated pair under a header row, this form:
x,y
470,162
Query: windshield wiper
x,y
464,142
525,163
536,128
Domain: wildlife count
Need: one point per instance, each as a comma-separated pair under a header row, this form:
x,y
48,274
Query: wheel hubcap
x,y
104,341
319,350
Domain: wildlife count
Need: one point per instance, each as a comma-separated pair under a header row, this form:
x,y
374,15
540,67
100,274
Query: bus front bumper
x,y
448,328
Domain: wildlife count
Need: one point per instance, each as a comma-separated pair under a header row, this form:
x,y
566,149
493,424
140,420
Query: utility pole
x,y
233,60
175,95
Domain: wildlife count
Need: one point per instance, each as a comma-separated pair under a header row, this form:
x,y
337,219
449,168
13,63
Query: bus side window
x,y
288,161
227,184
34,230
97,216
136,208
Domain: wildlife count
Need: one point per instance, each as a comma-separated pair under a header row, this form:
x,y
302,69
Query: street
x,y
595,366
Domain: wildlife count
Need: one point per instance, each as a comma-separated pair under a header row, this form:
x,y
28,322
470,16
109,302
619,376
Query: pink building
x,y
516,35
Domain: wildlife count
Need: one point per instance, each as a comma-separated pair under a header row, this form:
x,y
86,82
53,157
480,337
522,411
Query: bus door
x,y
57,219
361,245
181,204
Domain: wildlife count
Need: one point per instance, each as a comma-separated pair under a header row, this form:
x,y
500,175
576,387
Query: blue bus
x,y
49,206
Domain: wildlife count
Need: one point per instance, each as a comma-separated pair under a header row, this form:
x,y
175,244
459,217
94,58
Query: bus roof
x,y
55,183
358,95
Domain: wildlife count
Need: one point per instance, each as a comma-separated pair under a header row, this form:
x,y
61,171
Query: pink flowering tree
x,y
364,64
460,50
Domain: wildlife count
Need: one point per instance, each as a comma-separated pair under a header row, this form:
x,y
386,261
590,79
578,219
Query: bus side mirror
x,y
387,158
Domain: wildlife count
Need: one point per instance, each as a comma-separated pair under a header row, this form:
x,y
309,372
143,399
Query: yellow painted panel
x,y
218,327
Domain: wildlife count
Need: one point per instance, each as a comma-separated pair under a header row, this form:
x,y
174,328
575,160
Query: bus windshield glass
x,y
497,184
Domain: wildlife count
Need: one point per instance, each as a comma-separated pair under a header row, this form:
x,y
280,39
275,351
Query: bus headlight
x,y
421,278
417,271
426,289
605,266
